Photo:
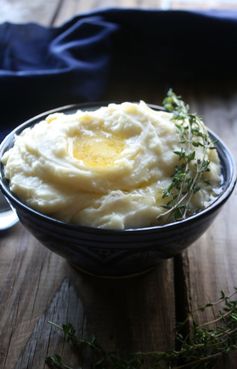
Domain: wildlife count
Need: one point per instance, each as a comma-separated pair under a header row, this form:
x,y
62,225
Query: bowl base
x,y
132,275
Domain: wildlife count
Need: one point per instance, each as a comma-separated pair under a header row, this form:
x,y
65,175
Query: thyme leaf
x,y
189,175
202,347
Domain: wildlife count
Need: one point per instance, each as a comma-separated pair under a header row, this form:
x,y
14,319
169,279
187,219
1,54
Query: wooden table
x,y
132,314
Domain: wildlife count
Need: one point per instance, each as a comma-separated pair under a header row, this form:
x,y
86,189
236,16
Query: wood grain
x,y
56,12
215,256
70,8
45,340
134,314
24,11
29,276
128,314
199,4
209,265
37,285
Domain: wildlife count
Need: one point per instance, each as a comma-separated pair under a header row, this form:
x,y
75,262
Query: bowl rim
x,y
87,229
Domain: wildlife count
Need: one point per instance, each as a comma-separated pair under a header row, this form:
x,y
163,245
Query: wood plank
x,y
58,11
29,276
45,340
70,8
23,11
131,314
199,4
209,265
216,255
126,315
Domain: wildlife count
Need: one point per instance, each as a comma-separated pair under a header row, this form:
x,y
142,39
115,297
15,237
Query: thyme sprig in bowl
x,y
118,253
190,175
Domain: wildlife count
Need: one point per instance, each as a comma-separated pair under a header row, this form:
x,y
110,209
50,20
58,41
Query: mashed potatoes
x,y
105,168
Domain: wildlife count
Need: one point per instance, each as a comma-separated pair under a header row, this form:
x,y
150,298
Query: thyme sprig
x,y
193,162
202,347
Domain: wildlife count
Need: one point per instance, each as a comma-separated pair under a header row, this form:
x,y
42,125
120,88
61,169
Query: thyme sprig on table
x,y
202,347
193,163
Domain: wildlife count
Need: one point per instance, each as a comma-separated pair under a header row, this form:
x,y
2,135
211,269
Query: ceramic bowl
x,y
116,253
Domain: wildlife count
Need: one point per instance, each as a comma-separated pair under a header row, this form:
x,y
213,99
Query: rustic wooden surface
x,y
54,12
135,314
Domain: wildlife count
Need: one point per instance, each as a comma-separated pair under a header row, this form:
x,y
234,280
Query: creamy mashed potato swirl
x,y
105,168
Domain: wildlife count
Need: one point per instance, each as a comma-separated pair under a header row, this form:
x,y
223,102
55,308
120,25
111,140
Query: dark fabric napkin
x,y
43,68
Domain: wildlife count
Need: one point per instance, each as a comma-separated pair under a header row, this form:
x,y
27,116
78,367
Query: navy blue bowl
x,y
116,253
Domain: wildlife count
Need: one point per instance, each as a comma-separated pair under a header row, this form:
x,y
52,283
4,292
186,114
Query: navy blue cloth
x,y
42,68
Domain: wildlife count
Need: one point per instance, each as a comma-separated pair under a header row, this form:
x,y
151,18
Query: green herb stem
x,y
201,348
188,178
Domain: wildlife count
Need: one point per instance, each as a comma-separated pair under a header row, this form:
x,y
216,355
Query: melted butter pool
x,y
98,152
